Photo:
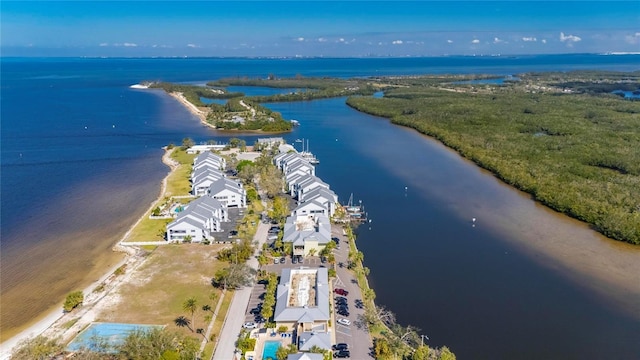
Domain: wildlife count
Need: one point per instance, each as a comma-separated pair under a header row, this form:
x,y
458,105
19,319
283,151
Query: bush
x,y
73,300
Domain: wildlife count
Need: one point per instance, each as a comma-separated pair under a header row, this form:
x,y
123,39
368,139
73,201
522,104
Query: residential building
x,y
230,193
302,300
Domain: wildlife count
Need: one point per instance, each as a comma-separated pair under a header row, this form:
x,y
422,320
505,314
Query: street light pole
x,y
422,338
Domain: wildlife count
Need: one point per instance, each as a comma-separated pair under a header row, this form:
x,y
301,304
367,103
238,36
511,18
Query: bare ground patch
x,y
157,290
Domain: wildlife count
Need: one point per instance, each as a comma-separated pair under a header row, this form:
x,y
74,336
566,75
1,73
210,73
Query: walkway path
x,y
253,111
225,350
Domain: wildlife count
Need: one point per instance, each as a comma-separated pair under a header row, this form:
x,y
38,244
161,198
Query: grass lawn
x,y
157,290
149,230
178,182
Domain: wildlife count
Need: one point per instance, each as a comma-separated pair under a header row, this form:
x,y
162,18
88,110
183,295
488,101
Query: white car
x,y
250,325
344,322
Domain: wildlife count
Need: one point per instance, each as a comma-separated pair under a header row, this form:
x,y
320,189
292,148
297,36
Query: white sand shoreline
x,y
51,325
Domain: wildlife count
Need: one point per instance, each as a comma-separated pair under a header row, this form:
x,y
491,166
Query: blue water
x,y
627,94
111,333
497,81
213,101
80,153
270,349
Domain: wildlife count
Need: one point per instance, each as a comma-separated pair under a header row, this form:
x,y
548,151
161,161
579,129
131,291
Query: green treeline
x,y
265,119
312,88
193,93
576,153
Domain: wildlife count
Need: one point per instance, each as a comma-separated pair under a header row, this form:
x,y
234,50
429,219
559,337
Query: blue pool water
x,y
270,348
111,333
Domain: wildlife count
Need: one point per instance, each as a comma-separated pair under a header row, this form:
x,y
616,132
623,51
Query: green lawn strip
x,y
222,314
149,230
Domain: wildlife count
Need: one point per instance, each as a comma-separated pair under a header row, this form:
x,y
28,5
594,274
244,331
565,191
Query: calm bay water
x,y
81,160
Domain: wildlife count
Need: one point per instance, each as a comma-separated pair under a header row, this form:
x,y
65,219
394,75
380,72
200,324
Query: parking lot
x,y
359,341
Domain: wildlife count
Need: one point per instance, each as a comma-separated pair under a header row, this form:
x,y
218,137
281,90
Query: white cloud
x,y
397,42
299,39
497,40
193,46
341,40
475,41
104,44
571,38
450,41
633,39
544,41
530,38
321,39
130,44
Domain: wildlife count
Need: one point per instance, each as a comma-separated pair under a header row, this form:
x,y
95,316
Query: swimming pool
x,y
109,333
270,348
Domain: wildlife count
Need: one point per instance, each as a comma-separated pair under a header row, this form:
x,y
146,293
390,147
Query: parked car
x,y
342,354
272,237
340,291
250,325
282,260
344,322
323,259
340,346
343,312
276,260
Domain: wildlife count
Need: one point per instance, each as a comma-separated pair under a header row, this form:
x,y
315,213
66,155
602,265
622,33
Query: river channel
x,y
519,282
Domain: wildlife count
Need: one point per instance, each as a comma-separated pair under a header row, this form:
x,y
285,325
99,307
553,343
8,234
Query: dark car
x,y
340,346
342,354
342,292
343,312
341,299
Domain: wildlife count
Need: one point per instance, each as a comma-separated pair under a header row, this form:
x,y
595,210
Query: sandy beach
x,y
53,324
202,115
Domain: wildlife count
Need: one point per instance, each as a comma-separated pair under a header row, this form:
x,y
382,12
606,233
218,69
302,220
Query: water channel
x,y
521,282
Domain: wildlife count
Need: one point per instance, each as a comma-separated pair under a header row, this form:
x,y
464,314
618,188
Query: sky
x,y
311,28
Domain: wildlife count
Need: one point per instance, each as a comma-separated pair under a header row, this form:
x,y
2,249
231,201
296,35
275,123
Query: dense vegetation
x,y
313,88
574,152
193,93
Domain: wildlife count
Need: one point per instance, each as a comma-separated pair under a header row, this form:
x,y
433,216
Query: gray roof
x,y
321,230
225,184
188,220
212,175
305,356
305,204
208,155
206,202
310,339
319,192
284,313
301,166
310,179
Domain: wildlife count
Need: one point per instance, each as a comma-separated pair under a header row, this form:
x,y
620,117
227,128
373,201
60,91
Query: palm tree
x,y
182,321
191,305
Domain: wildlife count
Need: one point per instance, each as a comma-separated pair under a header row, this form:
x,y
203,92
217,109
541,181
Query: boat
x,y
307,155
295,122
298,140
355,212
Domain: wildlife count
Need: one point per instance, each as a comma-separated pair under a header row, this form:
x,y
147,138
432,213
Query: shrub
x,y
73,300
